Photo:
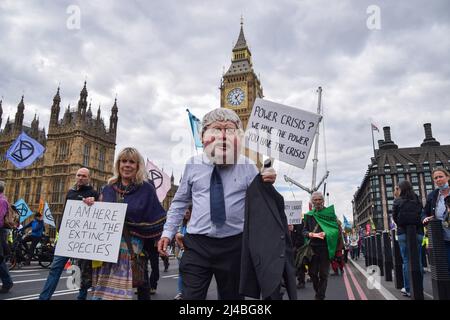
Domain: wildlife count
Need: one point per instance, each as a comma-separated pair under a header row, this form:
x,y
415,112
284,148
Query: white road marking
x,y
386,294
25,270
35,280
35,296
25,275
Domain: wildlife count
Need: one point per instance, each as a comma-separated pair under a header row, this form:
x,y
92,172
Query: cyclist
x,y
37,229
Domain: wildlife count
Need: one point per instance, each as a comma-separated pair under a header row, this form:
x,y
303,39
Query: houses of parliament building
x,y
78,139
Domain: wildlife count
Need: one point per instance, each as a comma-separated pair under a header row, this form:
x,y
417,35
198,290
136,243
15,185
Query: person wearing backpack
x,y
7,282
407,209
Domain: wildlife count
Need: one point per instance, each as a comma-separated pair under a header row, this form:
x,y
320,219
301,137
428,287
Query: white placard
x,y
91,232
281,132
293,210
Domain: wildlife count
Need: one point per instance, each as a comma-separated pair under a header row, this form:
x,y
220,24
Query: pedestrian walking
x,y
80,190
144,219
435,206
322,228
7,282
406,211
216,183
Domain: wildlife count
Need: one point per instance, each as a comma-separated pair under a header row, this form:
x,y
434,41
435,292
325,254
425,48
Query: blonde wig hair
x,y
130,154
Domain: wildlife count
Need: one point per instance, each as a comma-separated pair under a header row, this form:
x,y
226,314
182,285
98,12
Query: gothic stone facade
x,y
77,140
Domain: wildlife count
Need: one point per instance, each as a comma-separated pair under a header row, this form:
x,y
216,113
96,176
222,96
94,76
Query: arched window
x,y
63,150
86,154
101,159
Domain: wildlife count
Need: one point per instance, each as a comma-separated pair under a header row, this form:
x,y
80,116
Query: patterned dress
x,y
145,218
114,281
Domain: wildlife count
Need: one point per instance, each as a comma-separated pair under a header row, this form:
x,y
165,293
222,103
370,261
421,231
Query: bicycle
x,y
19,255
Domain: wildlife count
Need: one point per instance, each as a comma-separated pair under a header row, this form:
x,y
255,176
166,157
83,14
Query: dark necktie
x,y
217,198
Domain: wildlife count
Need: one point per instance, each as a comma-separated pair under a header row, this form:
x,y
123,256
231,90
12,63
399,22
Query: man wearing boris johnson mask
x,y
216,182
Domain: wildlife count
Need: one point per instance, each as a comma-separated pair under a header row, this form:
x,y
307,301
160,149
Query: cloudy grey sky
x,y
163,56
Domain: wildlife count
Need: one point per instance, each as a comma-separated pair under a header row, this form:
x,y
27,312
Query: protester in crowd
x,y
406,211
346,246
37,230
298,240
354,245
322,228
216,182
144,219
435,206
166,261
7,282
337,263
181,247
81,190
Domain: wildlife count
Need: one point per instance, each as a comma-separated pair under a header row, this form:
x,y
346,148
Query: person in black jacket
x,y
435,206
80,191
320,265
298,240
267,262
406,211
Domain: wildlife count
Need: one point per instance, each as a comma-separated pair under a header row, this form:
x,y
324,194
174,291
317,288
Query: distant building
x,y
391,164
77,140
240,86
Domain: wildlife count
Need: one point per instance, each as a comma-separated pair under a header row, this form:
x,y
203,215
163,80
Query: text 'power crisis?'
x,y
281,132
91,232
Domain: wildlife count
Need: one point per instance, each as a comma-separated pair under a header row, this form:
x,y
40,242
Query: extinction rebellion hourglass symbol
x,y
157,178
22,209
23,151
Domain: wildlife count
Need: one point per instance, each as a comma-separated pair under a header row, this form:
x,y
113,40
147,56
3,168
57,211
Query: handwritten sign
x,y
293,210
281,132
91,232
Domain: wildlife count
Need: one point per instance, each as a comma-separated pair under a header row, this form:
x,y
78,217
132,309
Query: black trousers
x,y
154,264
319,269
205,257
143,292
34,241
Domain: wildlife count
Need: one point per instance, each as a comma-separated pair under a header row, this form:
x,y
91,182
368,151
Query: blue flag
x,y
48,218
195,127
347,224
24,151
23,209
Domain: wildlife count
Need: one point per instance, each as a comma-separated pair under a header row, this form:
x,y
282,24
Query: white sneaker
x,y
405,293
178,297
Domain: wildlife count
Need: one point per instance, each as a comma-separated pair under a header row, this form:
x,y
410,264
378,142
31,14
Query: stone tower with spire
x,y
240,85
77,140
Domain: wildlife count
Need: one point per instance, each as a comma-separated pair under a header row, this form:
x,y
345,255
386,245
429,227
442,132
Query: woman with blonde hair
x,y
144,220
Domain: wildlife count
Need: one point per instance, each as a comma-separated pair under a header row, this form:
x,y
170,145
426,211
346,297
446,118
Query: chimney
x,y
380,143
387,134
388,143
429,141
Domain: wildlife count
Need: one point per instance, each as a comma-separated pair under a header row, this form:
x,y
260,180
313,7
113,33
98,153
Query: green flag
x,y
327,220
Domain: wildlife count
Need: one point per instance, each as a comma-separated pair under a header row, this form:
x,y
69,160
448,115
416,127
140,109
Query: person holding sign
x,y
144,220
322,229
216,182
81,190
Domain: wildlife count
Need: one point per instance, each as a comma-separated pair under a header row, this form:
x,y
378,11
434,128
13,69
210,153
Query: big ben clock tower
x,y
240,86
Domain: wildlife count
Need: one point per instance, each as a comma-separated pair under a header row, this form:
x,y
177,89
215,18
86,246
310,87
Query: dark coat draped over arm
x,y
267,254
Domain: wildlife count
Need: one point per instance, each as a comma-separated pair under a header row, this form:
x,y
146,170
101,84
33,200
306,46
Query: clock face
x,y
236,96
